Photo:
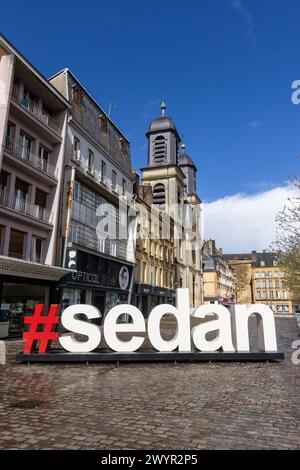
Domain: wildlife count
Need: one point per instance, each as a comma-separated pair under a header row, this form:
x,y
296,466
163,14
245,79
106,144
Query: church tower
x,y
163,171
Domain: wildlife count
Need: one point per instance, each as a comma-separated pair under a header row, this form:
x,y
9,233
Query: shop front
x,y
147,297
23,285
98,281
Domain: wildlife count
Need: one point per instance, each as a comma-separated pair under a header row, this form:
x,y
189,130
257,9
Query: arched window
x,y
159,149
159,195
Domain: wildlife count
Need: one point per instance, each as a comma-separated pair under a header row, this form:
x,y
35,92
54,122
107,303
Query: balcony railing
x,y
35,109
26,155
21,205
33,258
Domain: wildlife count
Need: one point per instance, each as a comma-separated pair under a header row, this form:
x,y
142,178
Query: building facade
x,y
260,279
218,276
173,181
33,118
155,268
269,285
241,263
98,182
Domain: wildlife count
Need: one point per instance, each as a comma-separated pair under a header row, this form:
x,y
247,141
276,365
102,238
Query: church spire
x,y
163,108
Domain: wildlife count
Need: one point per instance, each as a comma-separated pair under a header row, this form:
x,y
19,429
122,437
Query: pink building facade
x,y
33,120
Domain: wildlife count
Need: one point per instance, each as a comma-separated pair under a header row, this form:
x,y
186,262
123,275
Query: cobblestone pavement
x,y
152,406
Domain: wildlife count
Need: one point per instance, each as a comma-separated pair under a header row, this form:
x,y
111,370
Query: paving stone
x,y
153,406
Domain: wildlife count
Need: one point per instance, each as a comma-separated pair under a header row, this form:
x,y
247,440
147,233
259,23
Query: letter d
x,y
182,339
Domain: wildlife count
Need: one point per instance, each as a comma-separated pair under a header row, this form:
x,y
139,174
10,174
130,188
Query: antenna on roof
x,y
111,106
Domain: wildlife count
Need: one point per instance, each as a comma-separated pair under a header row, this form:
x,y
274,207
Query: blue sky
x,y
227,66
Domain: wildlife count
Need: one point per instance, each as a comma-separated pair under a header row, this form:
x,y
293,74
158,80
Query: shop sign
x,y
186,340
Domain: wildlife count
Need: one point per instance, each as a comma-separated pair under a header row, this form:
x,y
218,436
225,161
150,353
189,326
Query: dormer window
x,y
123,145
159,149
103,123
77,95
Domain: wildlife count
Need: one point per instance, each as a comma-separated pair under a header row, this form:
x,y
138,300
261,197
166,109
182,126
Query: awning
x,y
18,267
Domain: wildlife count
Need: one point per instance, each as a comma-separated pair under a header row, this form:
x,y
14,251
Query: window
x,y
76,191
103,172
103,123
25,143
265,295
77,95
3,184
159,149
10,132
257,284
16,244
159,195
285,296
271,294
123,146
113,180
90,162
263,275
101,243
124,187
76,150
269,274
258,295
37,249
41,203
20,195
276,274
113,247
257,275
282,274
277,295
283,283
73,233
271,284
28,100
264,284
262,263
44,158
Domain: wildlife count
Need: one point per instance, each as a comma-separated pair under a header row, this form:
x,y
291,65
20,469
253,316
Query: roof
x,y
34,70
238,256
162,123
67,70
185,160
266,258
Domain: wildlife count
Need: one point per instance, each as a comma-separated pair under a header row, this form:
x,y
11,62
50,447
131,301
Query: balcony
x,y
35,109
11,201
29,157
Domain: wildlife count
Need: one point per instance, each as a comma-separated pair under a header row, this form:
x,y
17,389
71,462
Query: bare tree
x,y
287,244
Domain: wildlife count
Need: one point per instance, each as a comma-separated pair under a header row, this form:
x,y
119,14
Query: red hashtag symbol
x,y
37,319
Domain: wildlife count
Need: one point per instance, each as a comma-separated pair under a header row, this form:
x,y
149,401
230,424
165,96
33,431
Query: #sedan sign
x,y
188,343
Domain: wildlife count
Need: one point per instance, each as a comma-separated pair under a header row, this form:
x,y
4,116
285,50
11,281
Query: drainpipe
x,y
69,208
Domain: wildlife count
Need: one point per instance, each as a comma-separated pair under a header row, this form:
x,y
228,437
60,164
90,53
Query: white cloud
x,y
242,223
255,123
247,16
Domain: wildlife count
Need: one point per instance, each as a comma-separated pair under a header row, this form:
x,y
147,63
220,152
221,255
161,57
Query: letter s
x,y
75,325
296,94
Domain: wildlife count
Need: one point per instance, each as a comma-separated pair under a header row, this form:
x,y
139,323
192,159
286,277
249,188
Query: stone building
x,y
98,182
260,279
155,268
33,119
219,280
173,181
268,283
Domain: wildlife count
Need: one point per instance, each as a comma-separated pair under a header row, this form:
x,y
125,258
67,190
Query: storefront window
x,y
19,300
